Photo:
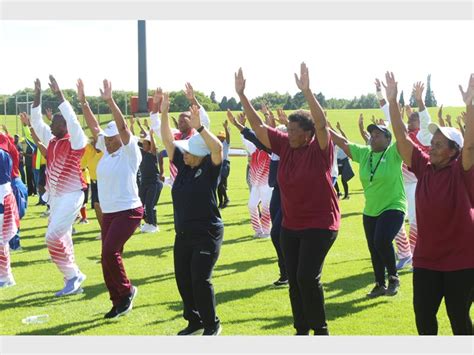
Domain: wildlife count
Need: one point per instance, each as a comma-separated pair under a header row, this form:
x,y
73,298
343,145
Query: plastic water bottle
x,y
39,319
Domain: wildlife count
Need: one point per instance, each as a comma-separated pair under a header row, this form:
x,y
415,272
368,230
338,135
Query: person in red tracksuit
x,y
65,141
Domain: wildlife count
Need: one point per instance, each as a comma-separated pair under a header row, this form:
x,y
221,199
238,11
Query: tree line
x,y
179,102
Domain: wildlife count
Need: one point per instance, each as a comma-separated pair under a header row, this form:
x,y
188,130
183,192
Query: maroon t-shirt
x,y
308,199
445,215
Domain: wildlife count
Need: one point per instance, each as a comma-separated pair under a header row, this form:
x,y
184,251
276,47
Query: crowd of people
x,y
416,170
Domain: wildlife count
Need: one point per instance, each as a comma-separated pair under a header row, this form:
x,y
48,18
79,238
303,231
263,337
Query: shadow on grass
x,y
350,214
349,284
270,323
242,222
244,266
70,328
237,240
155,252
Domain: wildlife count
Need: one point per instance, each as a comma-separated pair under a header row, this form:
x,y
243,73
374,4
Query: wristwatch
x,y
200,129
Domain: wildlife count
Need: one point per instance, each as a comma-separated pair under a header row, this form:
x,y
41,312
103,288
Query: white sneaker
x,y
99,236
8,283
264,235
257,235
149,228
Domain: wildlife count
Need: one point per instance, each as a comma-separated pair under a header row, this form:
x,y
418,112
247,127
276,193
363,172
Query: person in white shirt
x,y
118,195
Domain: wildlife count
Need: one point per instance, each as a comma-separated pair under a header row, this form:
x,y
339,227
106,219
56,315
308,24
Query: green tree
x,y
224,105
213,97
430,100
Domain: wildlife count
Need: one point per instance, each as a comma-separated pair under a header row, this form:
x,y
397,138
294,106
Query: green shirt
x,y
386,191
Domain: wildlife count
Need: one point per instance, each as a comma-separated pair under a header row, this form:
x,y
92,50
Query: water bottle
x,y
39,319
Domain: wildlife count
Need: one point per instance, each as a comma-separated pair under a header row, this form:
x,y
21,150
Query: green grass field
x,y
246,302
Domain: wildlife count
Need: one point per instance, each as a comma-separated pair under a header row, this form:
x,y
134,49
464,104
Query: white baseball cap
x,y
453,134
194,145
111,129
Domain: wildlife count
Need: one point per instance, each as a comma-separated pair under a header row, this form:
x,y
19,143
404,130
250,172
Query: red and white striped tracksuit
x,y
260,192
64,185
9,223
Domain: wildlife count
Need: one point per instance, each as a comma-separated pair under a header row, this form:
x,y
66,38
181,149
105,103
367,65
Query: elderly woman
x,y
385,203
310,216
198,224
444,255
118,195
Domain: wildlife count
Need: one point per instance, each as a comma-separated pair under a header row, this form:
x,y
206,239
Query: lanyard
x,y
372,172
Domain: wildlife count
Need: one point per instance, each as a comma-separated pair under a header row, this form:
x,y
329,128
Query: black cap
x,y
381,128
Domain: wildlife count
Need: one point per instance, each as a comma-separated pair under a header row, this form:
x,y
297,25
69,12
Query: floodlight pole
x,y
142,70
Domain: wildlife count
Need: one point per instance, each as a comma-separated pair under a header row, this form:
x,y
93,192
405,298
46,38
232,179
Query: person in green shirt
x,y
381,176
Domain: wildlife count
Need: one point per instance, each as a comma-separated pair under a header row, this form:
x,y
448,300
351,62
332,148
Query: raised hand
x,y
189,92
53,84
195,120
282,117
225,124
49,114
302,82
468,96
338,126
378,85
361,120
239,82
80,91
374,120
264,109
391,90
418,88
459,120
463,117
165,103
106,94
158,97
449,121
440,112
25,119
242,119
231,118
37,99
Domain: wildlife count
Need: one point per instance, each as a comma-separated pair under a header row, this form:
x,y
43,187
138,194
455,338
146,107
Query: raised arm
x,y
468,149
363,133
26,122
41,128
317,112
78,138
152,143
449,122
237,124
404,144
166,135
227,132
91,120
212,142
341,142
106,94
418,88
379,94
260,128
339,128
189,92
459,121
440,117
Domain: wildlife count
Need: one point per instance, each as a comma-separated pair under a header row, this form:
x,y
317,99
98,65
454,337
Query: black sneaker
x,y
216,330
192,329
302,332
282,281
393,286
378,290
123,308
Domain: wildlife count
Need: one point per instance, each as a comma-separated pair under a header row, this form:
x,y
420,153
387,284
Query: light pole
x,y
142,70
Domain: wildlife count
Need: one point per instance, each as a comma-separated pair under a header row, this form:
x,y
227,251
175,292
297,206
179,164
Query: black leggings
x,y
276,216
429,288
380,232
304,253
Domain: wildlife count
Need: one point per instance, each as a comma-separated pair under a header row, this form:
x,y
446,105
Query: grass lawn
x,y
246,302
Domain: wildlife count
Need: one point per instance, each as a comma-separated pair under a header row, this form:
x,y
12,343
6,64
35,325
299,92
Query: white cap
x,y
194,145
111,129
453,134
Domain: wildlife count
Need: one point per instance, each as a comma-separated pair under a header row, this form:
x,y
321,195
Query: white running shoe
x,y
8,283
149,228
